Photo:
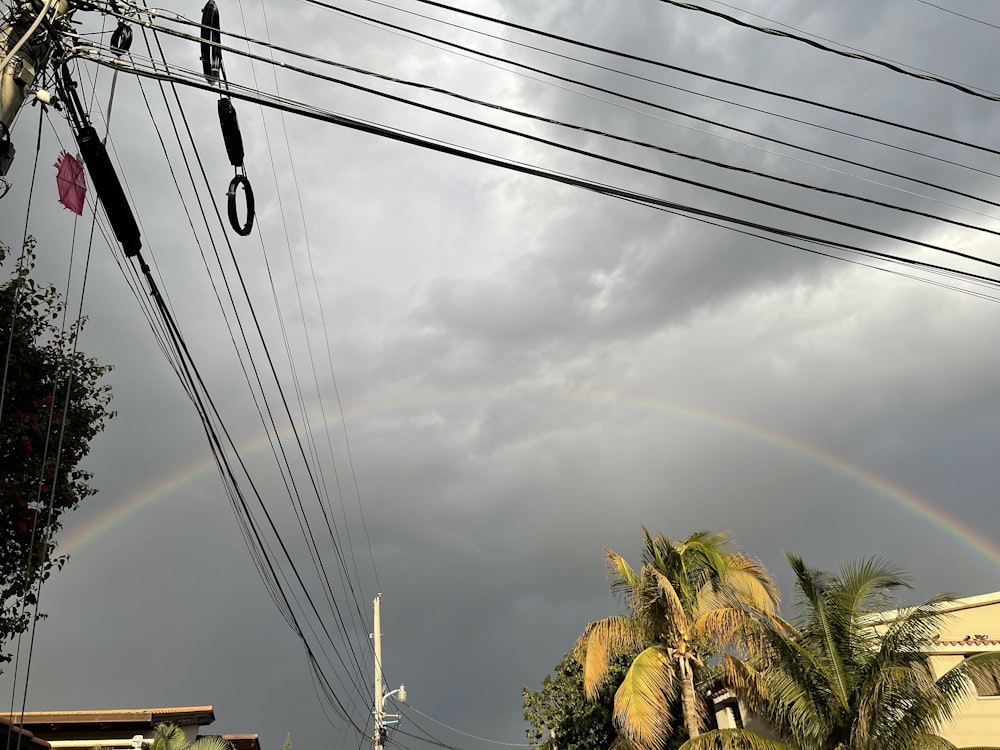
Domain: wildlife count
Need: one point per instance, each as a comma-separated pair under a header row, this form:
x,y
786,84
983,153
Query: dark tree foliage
x,y
578,724
53,404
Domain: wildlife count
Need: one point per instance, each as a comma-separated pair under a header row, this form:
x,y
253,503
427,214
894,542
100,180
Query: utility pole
x,y
379,713
379,700
25,44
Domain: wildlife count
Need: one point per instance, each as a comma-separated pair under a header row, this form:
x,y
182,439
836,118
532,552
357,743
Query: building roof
x,y
27,738
56,724
969,642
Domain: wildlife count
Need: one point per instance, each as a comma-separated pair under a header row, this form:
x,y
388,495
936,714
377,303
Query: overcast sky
x,y
527,372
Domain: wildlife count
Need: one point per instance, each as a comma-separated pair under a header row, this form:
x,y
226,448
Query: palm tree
x,y
690,599
855,674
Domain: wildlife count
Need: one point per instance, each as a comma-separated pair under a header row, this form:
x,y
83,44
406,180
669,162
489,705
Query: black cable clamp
x,y
121,39
244,229
231,131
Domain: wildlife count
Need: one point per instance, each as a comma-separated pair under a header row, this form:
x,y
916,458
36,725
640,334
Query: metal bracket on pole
x,y
6,151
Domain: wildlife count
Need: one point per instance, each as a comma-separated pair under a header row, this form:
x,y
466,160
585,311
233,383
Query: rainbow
x,y
969,537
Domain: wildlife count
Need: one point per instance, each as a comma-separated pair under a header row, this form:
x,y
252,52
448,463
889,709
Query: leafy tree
x,y
560,715
849,677
562,718
53,404
690,599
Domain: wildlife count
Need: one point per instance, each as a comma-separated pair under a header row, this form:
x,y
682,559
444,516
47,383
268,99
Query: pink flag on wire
x,y
71,182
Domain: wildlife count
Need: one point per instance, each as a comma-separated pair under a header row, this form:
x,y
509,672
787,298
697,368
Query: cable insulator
x,y
121,39
244,229
211,56
231,131
109,190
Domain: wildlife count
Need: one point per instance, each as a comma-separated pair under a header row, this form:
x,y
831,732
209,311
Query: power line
x,y
195,80
659,173
275,585
988,96
677,178
594,131
411,707
960,15
687,71
714,123
826,39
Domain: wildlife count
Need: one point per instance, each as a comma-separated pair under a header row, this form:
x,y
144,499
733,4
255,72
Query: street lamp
x,y
382,719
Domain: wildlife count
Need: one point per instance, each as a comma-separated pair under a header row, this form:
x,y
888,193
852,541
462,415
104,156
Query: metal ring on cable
x,y
244,229
211,56
121,39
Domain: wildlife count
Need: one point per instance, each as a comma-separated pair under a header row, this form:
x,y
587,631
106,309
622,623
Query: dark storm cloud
x,y
528,372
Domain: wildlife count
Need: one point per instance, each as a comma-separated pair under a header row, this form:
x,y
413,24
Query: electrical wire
x,y
276,443
687,181
960,15
299,109
679,69
193,80
831,41
714,123
46,5
982,94
580,128
411,707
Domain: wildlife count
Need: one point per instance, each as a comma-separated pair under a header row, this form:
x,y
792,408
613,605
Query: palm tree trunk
x,y
689,701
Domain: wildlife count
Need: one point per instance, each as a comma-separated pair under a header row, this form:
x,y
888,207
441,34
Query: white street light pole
x,y
380,698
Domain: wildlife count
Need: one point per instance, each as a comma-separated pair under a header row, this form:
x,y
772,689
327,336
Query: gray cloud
x,y
528,373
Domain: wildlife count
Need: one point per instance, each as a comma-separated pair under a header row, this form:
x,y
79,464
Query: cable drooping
x,y
960,15
580,128
687,71
316,113
677,178
988,96
420,36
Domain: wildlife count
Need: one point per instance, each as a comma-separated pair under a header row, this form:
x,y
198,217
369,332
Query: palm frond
x,y
670,599
169,737
624,580
959,682
866,585
727,627
210,742
732,739
826,625
748,582
599,641
934,742
642,704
